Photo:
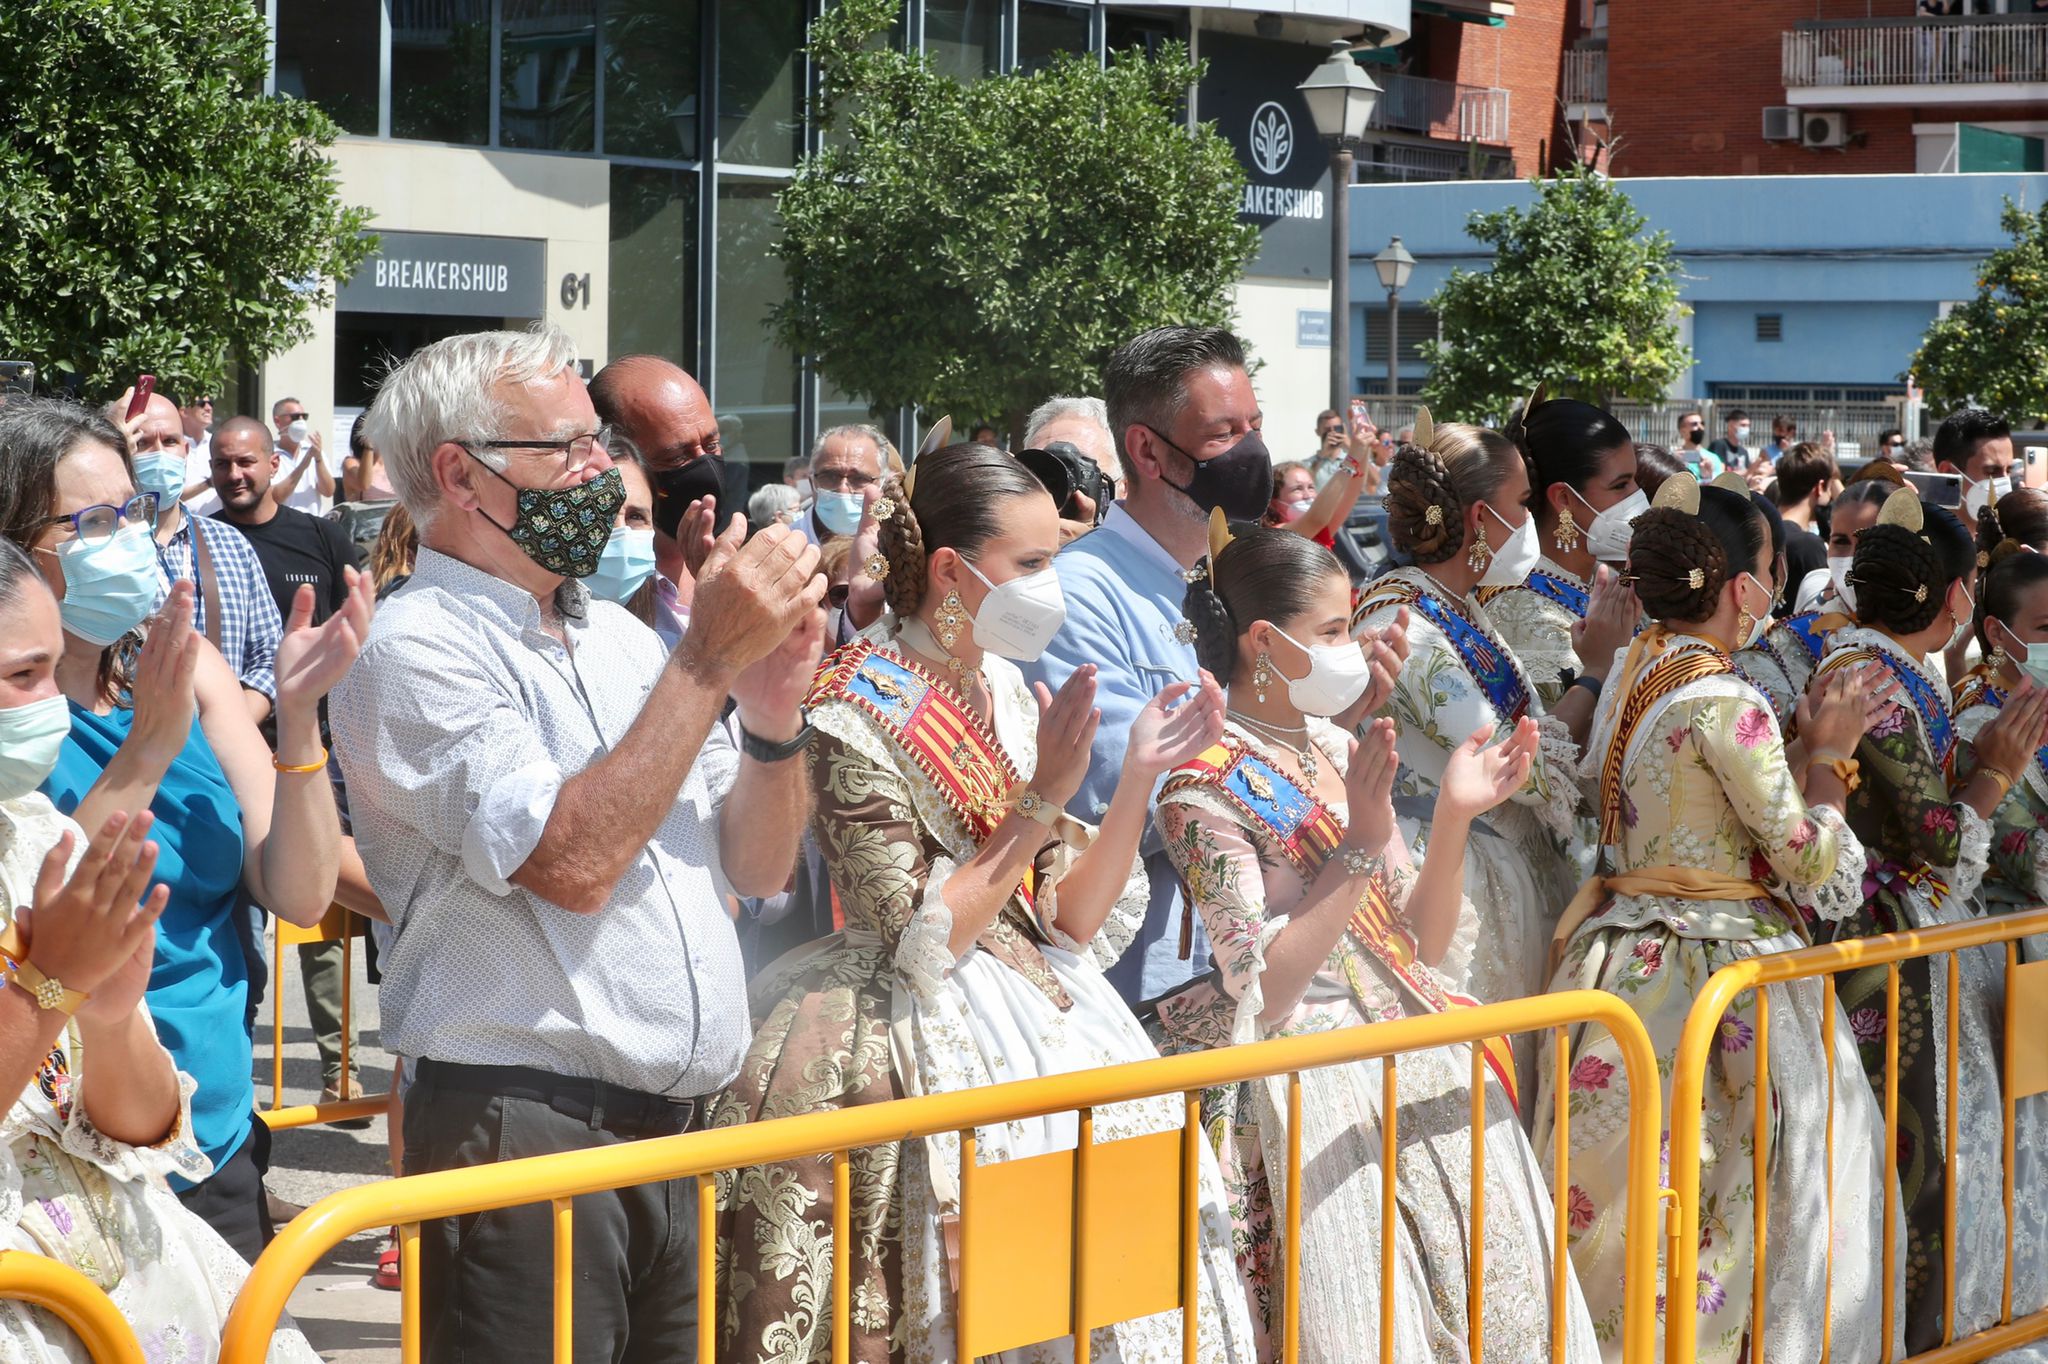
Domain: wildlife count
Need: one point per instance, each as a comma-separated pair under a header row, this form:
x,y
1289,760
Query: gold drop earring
x,y
1262,674
951,616
1567,531
1480,554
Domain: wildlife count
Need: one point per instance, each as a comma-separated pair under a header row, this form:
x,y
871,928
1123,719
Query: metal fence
x,y
1585,76
1417,104
1906,53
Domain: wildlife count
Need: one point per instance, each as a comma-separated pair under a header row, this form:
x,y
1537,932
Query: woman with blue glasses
x,y
231,818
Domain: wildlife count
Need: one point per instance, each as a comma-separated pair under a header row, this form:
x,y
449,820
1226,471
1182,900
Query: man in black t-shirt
x,y
1807,482
295,549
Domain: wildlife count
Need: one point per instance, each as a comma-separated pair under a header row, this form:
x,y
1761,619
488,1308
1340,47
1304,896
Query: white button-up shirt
x,y
456,729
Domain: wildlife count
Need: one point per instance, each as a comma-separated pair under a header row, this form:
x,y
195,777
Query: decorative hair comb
x,y
1902,508
1425,428
1219,534
938,438
1680,493
1732,481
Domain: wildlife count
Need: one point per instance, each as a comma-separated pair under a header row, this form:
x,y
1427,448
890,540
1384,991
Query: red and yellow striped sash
x,y
1651,672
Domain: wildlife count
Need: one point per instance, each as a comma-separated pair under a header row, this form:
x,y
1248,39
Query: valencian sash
x,y
1549,586
1935,720
1811,637
1976,689
1307,833
940,737
1650,673
1490,663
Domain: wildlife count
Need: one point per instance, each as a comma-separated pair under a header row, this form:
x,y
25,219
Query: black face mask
x,y
676,489
1240,480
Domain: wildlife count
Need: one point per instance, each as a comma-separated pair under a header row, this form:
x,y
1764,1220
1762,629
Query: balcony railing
x,y
1467,113
1916,53
1585,76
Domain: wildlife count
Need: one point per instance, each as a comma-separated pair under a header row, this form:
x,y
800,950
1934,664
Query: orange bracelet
x,y
319,765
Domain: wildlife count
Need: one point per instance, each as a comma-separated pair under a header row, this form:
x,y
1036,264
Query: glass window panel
x,y
964,37
441,70
654,264
1045,30
547,75
760,81
653,50
1148,32
753,378
327,53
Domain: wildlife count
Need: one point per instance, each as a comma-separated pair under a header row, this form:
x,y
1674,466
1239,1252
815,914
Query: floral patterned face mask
x,y
564,530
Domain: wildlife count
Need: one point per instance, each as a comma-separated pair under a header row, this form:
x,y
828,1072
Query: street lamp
x,y
1394,265
1340,99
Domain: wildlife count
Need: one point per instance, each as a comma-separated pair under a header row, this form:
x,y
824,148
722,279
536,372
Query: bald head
x,y
241,462
161,428
656,404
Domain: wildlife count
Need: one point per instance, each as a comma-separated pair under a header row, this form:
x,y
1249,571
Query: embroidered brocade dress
x,y
1782,664
1535,620
884,1009
1925,855
1459,676
1240,877
1704,786
72,1193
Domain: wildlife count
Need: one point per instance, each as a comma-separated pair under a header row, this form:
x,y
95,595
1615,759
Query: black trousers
x,y
488,1278
231,1200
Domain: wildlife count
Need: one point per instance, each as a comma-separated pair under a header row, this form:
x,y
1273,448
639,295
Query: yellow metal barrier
x,y
2025,1073
338,926
1066,1206
76,1300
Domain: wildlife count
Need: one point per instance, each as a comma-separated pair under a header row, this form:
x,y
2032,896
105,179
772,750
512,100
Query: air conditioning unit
x,y
1824,128
1781,123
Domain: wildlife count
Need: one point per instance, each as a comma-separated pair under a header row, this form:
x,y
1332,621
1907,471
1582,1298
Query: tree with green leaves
x,y
973,248
1579,296
157,212
1993,349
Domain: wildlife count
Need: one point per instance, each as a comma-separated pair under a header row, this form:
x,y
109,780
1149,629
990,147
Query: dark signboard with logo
x,y
449,276
1249,95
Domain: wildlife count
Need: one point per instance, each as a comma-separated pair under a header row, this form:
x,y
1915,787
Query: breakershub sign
x,y
450,275
1249,94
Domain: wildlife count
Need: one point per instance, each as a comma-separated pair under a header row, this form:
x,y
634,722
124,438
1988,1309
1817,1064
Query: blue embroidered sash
x,y
1490,664
1801,628
1935,721
1568,595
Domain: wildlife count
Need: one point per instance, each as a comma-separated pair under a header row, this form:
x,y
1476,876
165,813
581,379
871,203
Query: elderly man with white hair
x,y
550,811
1082,423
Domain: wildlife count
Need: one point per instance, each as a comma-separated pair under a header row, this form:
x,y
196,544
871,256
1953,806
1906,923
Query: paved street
x,y
342,1314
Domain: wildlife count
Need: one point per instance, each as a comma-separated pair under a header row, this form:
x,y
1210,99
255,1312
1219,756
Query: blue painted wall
x,y
1857,265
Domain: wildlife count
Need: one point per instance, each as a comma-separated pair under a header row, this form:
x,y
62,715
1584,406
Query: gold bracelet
x,y
1998,775
318,765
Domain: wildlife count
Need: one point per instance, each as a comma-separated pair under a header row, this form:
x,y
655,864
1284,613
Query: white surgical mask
x,y
162,473
627,561
1742,434
30,738
1963,618
1761,625
1512,563
1980,492
297,432
1338,675
111,587
1298,508
839,512
1838,573
1018,618
2031,658
1607,535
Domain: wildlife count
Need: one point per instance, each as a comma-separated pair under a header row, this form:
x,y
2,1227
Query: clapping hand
x,y
161,686
1066,735
694,534
1610,623
1477,778
1386,650
1174,726
91,931
1839,708
1369,788
750,596
2014,735
311,659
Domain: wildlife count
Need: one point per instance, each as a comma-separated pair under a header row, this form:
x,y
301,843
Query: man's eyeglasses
x,y
843,480
97,524
574,451
286,417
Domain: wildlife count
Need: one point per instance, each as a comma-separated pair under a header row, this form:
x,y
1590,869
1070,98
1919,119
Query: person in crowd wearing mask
x,y
665,417
1699,460
1654,464
298,455
1316,513
235,609
773,504
1891,445
1186,424
1784,435
552,814
1572,614
2021,516
298,550
1808,481
1330,452
1458,508
625,570
1294,492
977,916
1285,842
1926,842
196,417
1718,848
232,817
88,1156
797,474
1977,445
362,469
1732,448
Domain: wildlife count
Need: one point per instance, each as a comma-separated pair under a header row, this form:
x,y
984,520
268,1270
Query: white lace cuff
x,y
924,955
175,1155
1973,851
1841,894
1244,1025
1559,795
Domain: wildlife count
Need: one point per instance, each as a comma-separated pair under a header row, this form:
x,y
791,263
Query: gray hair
x,y
1058,409
442,393
770,502
1145,381
858,429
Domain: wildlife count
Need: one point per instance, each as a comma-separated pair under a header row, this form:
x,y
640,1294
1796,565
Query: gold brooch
x,y
884,509
1185,632
877,566
1920,593
1434,516
1696,579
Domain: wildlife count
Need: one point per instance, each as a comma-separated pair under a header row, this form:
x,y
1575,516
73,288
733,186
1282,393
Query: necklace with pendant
x,y
1276,735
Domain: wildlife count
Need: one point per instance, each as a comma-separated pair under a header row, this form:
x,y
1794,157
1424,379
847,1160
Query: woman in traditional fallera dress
x,y
1287,847
977,918
1715,850
1926,843
1457,505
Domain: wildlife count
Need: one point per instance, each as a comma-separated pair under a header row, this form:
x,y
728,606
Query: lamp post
x,y
1340,99
1394,265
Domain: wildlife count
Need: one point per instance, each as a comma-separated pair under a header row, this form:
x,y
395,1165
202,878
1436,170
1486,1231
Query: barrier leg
x,y
1190,1225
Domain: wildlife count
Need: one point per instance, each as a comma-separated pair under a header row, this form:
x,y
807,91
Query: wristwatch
x,y
47,991
1033,806
767,751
